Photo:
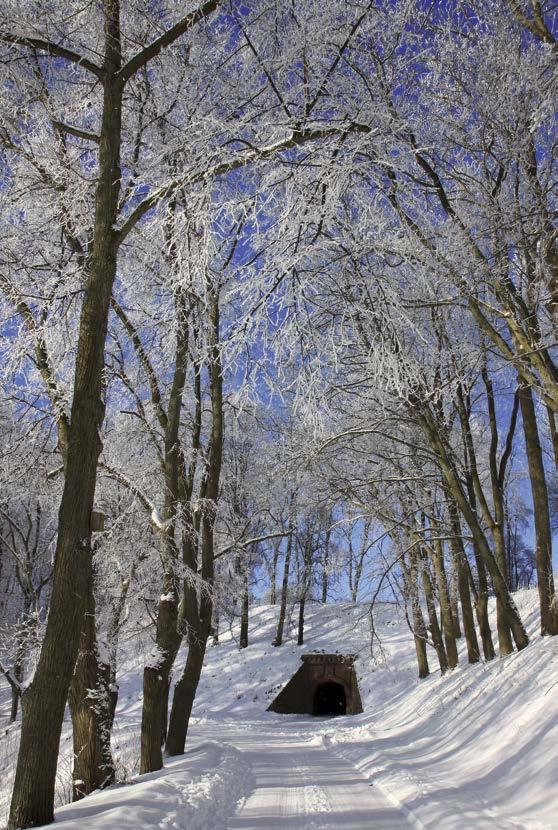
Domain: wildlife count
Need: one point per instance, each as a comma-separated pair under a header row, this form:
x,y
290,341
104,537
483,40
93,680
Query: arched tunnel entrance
x,y
330,699
325,684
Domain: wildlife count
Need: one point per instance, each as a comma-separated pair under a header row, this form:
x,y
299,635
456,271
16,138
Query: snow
x,y
195,791
472,750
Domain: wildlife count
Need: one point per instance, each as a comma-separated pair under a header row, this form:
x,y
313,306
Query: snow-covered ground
x,y
473,750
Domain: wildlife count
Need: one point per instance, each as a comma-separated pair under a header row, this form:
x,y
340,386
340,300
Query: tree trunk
x,y
200,619
481,608
92,714
156,682
15,690
543,552
455,488
245,609
44,701
454,602
445,607
284,592
325,567
462,570
184,696
433,617
215,625
301,607
275,559
419,628
157,673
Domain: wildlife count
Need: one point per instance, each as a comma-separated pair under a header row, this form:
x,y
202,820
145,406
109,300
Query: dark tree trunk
x,y
92,714
156,682
168,636
511,614
481,608
462,570
325,567
185,694
543,551
44,701
214,633
301,607
284,592
445,607
473,653
200,619
15,689
454,603
433,617
273,590
419,627
245,609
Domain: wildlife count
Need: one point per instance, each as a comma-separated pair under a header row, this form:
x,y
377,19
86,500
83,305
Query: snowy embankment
x,y
473,750
196,791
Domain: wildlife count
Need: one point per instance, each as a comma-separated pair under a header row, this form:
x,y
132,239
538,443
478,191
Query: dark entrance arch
x,y
330,699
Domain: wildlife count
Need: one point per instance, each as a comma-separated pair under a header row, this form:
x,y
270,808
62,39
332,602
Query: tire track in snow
x,y
411,818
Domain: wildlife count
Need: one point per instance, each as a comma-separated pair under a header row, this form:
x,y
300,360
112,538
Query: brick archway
x,y
335,672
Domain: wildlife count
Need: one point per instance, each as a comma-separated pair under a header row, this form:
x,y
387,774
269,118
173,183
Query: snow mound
x,y
195,791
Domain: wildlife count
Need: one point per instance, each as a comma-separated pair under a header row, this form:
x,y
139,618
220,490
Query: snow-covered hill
x,y
474,749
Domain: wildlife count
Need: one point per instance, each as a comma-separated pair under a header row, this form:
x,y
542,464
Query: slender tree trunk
x,y
461,569
325,567
92,716
215,625
481,608
454,485
445,607
543,551
284,593
473,653
503,624
185,692
454,602
44,701
186,688
156,682
301,607
168,636
433,617
245,609
15,689
273,591
419,628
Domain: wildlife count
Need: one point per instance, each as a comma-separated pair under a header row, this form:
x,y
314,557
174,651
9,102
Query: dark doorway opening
x,y
330,699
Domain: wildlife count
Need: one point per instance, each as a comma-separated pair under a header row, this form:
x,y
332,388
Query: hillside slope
x,y
474,749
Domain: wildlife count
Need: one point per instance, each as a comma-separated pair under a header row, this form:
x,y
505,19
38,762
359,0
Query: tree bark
x,y
420,633
185,694
543,551
325,567
284,592
200,619
461,567
44,701
453,483
92,713
432,616
445,607
245,609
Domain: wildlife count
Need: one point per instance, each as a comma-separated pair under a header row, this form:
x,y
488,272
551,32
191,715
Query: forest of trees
x,y
279,296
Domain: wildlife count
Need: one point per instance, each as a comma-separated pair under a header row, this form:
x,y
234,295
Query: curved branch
x,y
53,49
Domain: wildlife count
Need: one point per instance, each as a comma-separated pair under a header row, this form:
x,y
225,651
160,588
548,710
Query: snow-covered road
x,y
301,784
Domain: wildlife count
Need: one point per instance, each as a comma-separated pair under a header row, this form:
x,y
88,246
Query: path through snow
x,y
300,784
